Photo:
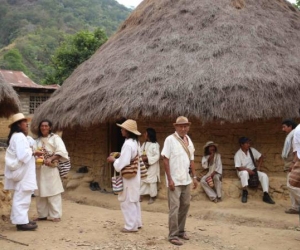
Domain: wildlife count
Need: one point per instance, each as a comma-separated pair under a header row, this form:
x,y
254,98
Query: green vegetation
x,y
36,28
73,51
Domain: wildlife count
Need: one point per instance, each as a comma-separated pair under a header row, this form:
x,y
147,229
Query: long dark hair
x,y
151,134
132,136
206,150
50,125
14,129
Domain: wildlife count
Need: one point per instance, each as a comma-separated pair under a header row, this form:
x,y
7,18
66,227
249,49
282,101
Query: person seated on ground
x,y
212,161
248,160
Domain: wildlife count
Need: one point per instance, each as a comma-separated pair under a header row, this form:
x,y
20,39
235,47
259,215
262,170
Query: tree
x,y
298,4
72,52
13,60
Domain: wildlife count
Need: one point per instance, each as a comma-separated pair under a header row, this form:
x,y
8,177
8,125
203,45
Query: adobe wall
x,y
25,109
89,147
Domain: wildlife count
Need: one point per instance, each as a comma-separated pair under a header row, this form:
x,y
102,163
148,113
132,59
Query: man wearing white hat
x,y
178,153
20,173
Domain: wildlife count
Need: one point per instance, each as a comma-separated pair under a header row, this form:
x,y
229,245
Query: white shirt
x,y
20,145
131,187
296,140
179,161
244,160
216,166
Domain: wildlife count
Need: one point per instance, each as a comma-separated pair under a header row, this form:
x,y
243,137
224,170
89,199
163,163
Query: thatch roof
x,y
9,101
223,59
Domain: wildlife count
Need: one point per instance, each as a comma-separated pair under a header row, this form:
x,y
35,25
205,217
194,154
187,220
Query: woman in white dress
x,y
48,200
129,197
150,155
212,161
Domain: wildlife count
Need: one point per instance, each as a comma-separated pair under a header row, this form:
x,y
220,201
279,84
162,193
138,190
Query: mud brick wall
x,y
90,146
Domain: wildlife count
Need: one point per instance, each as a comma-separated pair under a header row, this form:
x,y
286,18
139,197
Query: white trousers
x,y
263,179
49,206
294,195
132,214
148,188
215,192
20,207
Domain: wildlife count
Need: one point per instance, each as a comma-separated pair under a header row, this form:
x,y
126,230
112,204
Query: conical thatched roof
x,y
9,101
220,59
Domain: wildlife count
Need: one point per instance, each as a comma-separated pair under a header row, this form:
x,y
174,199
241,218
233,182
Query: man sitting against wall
x,y
248,160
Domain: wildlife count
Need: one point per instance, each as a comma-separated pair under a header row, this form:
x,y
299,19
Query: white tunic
x,y
20,146
216,166
153,155
297,140
178,160
244,160
49,181
131,187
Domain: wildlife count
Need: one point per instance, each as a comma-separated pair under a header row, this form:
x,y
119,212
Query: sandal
x,y
56,219
124,230
291,211
184,236
38,219
176,241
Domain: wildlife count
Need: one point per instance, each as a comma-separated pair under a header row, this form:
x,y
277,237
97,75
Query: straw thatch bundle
x,y
9,101
221,59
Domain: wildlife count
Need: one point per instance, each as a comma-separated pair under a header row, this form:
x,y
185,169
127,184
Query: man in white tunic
x,y
287,155
178,154
295,172
20,177
129,198
246,167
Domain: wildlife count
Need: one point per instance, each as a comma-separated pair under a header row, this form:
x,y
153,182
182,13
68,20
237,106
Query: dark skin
x,y
182,131
212,152
245,148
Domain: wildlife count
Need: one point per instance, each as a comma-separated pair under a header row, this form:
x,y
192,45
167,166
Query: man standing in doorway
x,y
178,155
246,164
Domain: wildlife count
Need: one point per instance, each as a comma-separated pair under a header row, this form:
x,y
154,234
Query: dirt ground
x,y
92,220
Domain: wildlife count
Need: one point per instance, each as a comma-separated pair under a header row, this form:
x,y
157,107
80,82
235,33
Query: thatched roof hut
x,y
9,101
230,60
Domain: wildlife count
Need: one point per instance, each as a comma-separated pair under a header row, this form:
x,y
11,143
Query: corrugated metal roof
x,y
19,79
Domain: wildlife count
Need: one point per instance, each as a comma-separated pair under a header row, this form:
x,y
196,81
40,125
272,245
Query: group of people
x,y
24,177
178,158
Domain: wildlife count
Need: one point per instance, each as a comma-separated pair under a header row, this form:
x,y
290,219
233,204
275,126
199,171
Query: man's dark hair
x,y
50,125
206,150
132,135
151,134
289,123
14,129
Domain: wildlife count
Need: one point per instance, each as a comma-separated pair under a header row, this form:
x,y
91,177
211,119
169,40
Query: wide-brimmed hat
x,y
15,118
130,125
181,120
243,140
210,143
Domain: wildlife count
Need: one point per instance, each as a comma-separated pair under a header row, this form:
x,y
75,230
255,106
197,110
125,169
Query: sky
x,y
130,3
134,3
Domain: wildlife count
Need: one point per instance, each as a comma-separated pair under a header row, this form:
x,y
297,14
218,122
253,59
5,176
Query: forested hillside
x,y
31,30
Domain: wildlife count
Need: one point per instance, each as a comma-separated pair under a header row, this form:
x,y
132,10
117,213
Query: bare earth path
x,y
96,224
